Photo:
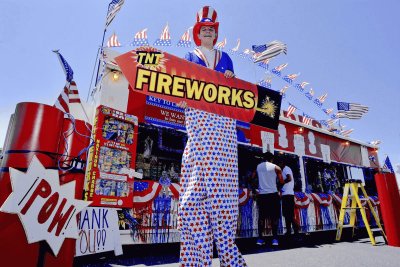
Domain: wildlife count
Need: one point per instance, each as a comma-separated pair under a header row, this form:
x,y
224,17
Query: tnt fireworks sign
x,y
162,75
47,210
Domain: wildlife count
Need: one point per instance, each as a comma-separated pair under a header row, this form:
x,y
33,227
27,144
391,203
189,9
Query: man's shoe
x,y
275,242
260,242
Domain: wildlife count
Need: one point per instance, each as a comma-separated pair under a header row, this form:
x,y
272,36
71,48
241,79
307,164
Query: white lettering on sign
x,y
268,140
47,210
326,153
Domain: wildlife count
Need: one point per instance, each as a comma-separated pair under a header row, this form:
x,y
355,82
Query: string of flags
x,y
141,39
387,166
300,87
346,110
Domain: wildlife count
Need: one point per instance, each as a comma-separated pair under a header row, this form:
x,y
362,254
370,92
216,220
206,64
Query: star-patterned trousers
x,y
208,202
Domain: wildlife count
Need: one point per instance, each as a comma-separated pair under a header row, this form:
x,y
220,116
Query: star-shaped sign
x,y
47,210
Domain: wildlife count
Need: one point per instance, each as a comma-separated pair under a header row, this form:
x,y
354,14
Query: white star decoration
x,y
47,210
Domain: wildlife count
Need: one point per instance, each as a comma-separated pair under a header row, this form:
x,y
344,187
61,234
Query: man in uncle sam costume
x,y
208,198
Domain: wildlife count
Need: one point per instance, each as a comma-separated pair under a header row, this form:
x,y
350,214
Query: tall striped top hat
x,y
207,16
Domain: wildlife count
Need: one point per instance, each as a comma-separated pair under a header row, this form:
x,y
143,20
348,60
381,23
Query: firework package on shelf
x,y
110,171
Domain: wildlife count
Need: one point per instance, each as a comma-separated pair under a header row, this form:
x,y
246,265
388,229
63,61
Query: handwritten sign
x,y
98,232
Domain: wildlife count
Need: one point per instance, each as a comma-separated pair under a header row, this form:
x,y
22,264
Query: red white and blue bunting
x,y
322,215
302,201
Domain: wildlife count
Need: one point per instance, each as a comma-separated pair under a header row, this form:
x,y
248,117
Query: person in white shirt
x,y
268,200
288,198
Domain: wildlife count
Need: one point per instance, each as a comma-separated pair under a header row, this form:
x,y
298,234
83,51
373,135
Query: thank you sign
x,y
98,232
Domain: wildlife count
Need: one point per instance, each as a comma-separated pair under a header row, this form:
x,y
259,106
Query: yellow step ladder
x,y
355,204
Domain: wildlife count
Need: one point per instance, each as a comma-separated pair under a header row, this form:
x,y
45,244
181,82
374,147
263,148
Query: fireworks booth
x,y
108,174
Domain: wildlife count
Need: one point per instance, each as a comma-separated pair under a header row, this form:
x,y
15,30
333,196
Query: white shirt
x,y
210,56
287,188
266,178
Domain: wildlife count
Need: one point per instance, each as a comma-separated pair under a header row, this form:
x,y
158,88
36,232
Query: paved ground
x,y
359,253
313,250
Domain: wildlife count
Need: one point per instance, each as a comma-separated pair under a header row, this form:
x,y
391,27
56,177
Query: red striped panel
x,y
78,100
205,12
63,103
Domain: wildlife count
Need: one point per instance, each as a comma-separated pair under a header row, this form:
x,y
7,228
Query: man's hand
x,y
182,104
229,74
278,172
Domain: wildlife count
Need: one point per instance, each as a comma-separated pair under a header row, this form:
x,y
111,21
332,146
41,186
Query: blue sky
x,y
346,48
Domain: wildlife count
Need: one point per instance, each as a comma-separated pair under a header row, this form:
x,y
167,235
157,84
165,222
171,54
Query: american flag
x,y
259,48
388,165
324,123
284,89
310,94
351,110
221,45
306,119
185,40
68,95
331,121
113,41
320,100
303,84
247,54
371,158
113,9
264,64
236,48
247,51
317,102
273,49
346,132
140,38
69,73
266,82
280,68
328,110
375,142
165,37
291,109
291,77
323,97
